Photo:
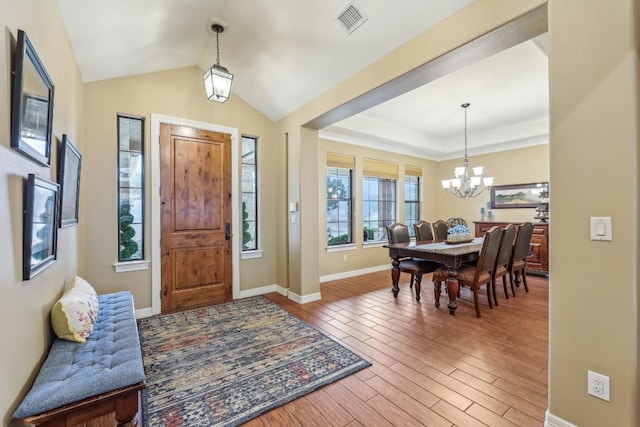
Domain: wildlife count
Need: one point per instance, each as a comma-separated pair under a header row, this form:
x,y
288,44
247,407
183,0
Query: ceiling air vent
x,y
351,17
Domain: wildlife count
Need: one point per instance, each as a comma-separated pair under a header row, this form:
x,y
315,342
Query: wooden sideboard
x,y
538,260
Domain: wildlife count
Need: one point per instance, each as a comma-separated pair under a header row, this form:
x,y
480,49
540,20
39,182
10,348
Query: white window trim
x,y
125,266
342,248
257,253
376,244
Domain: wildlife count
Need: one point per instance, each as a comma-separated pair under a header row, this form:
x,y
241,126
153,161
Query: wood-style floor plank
x,y
428,368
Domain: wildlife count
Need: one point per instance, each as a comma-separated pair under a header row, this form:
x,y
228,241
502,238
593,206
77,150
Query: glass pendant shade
x,y
217,79
217,83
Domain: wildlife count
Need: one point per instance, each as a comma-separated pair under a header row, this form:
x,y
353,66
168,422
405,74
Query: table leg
x,y
395,275
437,288
452,288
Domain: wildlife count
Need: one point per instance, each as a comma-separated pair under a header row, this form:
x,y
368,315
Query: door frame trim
x,y
154,161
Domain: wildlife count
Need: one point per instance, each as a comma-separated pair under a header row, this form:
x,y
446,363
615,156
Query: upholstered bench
x,y
82,381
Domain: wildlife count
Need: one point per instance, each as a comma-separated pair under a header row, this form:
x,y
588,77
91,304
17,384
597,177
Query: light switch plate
x,y
601,228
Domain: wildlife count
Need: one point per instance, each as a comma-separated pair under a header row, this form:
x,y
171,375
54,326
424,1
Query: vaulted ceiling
x,y
284,53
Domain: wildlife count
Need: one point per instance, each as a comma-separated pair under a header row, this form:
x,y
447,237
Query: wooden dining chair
x,y
477,275
440,229
423,231
399,233
518,263
501,268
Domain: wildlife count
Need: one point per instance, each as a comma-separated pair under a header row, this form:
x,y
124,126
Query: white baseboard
x,y
354,273
263,290
144,312
551,420
303,299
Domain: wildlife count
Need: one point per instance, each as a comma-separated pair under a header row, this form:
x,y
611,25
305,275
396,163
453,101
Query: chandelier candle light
x,y
217,79
468,181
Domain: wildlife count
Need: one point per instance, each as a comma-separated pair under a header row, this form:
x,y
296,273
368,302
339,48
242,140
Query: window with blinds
x,y
339,199
378,198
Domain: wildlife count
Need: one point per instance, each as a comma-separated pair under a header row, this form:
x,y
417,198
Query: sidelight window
x,y
249,194
130,188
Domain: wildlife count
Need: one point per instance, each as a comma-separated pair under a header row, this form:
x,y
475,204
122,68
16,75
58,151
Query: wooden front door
x,y
195,198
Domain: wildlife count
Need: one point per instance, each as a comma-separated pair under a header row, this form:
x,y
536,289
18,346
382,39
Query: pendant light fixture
x,y
468,181
217,79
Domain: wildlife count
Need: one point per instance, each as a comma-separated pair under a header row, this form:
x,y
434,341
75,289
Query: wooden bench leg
x,y
126,408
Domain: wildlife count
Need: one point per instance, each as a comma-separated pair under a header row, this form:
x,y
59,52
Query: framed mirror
x,y
69,160
40,225
31,104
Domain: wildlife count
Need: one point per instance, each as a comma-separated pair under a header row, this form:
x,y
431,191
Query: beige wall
x,y
372,256
25,305
593,79
593,171
519,166
176,93
593,145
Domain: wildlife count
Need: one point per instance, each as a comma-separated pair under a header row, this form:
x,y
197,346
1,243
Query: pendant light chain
x,y
218,47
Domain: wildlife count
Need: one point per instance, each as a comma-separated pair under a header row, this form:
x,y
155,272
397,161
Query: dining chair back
x,y
501,268
399,233
518,263
476,275
423,231
440,229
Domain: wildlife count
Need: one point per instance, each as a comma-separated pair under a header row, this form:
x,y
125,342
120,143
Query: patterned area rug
x,y
226,364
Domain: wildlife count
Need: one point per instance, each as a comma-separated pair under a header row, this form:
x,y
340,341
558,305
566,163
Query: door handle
x,y
227,231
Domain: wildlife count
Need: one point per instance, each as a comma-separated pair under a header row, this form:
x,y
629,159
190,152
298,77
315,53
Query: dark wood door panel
x,y
195,194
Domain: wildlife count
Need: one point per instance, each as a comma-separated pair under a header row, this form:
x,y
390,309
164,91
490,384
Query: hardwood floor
x,y
428,368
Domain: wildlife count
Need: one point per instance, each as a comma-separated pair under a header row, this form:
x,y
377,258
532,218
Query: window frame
x,y
142,222
349,200
254,165
410,202
380,229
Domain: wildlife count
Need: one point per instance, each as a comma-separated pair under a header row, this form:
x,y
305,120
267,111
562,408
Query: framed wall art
x,y
31,104
40,225
517,195
69,163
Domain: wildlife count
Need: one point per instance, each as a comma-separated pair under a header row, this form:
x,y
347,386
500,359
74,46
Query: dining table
x,y
450,254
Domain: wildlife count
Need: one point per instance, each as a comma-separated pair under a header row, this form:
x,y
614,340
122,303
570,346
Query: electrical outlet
x,y
344,258
598,385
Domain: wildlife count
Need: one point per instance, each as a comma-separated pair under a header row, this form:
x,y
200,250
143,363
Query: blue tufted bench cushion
x,y
110,359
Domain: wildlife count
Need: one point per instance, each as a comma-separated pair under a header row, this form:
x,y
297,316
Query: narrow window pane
x,y
130,188
338,189
249,194
411,202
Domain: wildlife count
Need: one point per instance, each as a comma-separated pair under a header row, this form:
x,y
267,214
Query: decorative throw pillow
x,y
74,314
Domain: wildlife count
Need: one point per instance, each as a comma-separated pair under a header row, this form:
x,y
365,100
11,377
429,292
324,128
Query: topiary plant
x,y
246,236
128,247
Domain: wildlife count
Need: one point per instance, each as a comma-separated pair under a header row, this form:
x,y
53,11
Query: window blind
x,y
413,170
335,160
380,168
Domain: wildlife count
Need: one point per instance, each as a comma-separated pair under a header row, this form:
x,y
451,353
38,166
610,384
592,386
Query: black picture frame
x,y
31,104
69,163
517,196
39,225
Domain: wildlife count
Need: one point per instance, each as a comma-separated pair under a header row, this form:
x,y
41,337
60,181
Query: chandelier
x,y
468,181
217,79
